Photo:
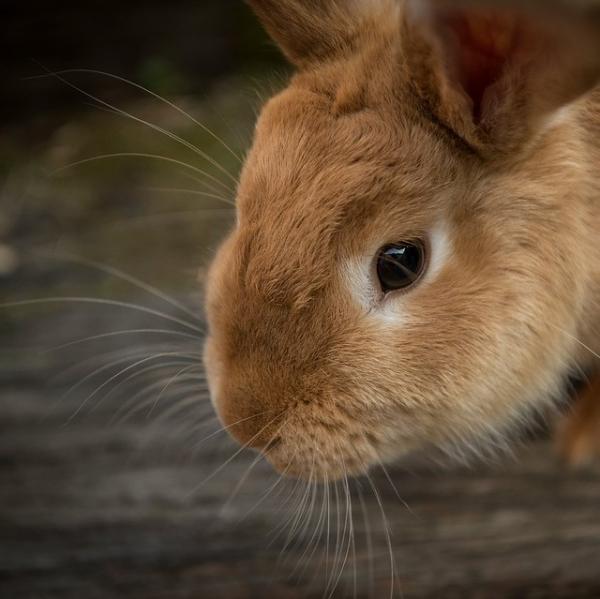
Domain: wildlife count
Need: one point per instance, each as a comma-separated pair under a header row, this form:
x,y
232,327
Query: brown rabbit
x,y
415,260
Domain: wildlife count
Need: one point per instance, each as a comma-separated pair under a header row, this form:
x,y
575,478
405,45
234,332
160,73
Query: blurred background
x,y
122,130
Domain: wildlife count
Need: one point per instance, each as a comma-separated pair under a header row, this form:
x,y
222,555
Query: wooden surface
x,y
90,508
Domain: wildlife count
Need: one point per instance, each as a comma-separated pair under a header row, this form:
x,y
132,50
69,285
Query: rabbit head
x,y
411,256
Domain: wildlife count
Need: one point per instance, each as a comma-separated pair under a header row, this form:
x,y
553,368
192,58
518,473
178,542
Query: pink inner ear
x,y
485,43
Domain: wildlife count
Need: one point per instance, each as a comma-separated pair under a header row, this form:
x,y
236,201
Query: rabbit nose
x,y
246,420
247,435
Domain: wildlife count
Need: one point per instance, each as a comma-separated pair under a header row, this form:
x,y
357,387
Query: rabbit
x,y
415,261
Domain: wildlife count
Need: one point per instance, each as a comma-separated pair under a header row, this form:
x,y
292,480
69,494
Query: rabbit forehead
x,y
305,153
314,181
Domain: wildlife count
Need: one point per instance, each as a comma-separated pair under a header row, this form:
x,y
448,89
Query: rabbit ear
x,y
309,31
510,68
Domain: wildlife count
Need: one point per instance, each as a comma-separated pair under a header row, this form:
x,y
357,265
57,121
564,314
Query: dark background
x,y
180,47
101,460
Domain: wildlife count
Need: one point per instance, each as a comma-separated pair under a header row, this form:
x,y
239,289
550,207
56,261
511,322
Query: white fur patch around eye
x,y
559,117
364,287
440,251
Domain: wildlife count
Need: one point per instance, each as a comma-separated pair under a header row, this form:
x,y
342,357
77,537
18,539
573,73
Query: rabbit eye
x,y
400,265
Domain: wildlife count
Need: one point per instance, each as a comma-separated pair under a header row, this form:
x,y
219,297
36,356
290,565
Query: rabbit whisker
x,y
151,93
314,540
152,126
194,192
574,338
139,284
170,382
105,302
146,156
115,377
346,534
232,457
140,404
368,538
338,540
226,427
388,534
122,333
264,496
122,355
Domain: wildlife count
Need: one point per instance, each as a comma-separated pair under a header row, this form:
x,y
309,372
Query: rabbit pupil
x,y
400,265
